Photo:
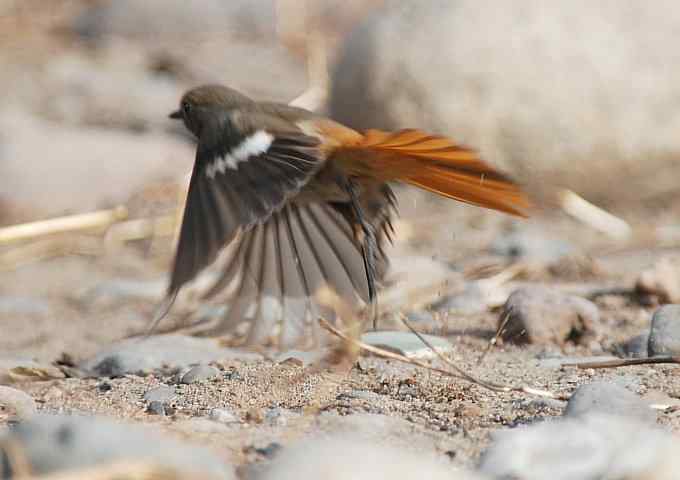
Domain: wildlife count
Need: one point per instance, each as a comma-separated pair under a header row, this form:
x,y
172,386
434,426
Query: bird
x,y
294,201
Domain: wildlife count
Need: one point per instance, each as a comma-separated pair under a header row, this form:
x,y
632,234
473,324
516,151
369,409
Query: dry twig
x,y
626,362
456,373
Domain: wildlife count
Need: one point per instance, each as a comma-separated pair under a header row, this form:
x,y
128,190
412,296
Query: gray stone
x,y
156,408
406,343
608,398
143,355
351,456
591,447
278,417
531,244
222,415
199,373
19,405
384,79
664,335
162,393
57,443
636,347
540,315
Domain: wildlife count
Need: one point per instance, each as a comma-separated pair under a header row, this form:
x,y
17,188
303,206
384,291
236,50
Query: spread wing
x,y
235,188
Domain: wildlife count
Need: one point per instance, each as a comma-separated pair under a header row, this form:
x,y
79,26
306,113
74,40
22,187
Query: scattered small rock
x,y
636,347
278,417
104,387
156,408
300,358
664,335
406,343
608,398
140,356
662,280
540,315
16,404
199,373
224,416
162,393
592,446
54,443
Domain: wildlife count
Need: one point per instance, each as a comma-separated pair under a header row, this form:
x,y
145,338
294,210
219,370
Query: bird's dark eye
x,y
186,107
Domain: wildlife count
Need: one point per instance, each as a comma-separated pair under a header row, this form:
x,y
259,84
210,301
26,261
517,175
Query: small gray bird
x,y
302,202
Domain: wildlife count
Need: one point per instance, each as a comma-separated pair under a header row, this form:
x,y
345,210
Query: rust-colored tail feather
x,y
437,164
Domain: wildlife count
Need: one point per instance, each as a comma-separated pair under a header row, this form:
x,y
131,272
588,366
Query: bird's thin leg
x,y
369,249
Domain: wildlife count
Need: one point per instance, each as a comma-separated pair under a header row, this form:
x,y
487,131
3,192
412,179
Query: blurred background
x,y
579,100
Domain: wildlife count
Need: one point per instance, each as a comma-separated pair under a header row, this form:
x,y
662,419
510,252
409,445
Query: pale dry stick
x,y
594,216
120,471
458,373
48,248
95,221
627,362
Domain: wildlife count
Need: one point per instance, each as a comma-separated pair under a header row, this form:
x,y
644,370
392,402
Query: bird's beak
x,y
176,115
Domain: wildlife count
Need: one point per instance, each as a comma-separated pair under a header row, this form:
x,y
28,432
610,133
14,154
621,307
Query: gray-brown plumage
x,y
303,202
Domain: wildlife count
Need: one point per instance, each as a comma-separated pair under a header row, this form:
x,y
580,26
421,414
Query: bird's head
x,y
203,105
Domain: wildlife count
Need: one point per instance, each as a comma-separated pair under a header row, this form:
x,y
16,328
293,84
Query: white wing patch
x,y
253,145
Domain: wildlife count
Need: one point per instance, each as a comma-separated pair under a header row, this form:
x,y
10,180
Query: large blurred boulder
x,y
582,94
48,169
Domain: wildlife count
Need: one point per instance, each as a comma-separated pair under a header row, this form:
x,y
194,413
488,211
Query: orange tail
x,y
436,164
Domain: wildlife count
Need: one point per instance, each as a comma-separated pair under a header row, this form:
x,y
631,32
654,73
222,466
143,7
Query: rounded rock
x,y
608,398
664,335
199,373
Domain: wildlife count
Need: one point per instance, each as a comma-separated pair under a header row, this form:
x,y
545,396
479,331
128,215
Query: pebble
x,y
540,315
636,347
199,373
278,417
664,335
141,356
224,416
156,408
162,393
406,343
592,446
18,404
56,443
608,398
